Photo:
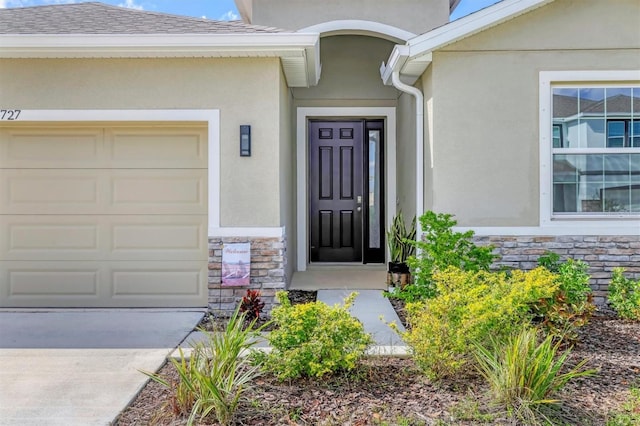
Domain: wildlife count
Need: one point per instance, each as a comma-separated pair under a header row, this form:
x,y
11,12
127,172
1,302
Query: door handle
x,y
359,209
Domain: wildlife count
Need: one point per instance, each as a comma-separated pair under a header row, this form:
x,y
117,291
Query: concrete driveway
x,y
80,367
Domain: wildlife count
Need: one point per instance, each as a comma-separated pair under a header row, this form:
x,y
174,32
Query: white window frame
x,y
624,224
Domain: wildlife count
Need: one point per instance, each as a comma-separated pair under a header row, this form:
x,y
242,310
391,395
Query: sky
x,y
224,10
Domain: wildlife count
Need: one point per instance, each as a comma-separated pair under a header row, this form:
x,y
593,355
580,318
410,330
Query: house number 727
x,y
9,114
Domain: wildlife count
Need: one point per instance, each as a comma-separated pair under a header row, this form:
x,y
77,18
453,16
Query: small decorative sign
x,y
236,264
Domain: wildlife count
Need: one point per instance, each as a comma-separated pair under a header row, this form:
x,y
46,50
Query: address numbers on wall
x,y
10,114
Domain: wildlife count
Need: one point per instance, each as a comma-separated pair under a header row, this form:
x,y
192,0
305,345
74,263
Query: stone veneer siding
x,y
602,253
268,262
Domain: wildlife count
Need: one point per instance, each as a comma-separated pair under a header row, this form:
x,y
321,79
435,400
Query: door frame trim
x,y
303,114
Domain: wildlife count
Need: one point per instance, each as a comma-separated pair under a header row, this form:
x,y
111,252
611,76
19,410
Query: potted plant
x,y
400,240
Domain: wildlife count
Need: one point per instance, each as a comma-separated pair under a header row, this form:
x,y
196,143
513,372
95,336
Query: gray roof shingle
x,y
99,18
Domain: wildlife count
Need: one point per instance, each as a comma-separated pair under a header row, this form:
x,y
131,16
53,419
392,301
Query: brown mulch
x,y
390,391
215,323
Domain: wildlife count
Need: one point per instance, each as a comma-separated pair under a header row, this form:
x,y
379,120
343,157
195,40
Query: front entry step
x,y
336,278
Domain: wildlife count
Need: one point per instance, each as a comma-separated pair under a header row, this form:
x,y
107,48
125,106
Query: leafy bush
x,y
215,376
470,307
314,339
624,295
441,248
572,305
525,375
251,305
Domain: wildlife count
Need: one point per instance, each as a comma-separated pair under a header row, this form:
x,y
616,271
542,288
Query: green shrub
x,y
439,249
572,305
470,307
624,295
525,375
215,376
314,339
550,261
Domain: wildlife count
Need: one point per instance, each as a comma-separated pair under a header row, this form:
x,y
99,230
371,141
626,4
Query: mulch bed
x,y
392,391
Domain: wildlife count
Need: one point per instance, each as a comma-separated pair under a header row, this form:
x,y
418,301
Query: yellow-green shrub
x,y
471,307
624,295
314,339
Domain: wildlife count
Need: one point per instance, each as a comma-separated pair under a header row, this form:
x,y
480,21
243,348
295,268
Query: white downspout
x,y
417,94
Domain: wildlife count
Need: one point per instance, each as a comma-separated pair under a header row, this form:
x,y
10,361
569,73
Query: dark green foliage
x,y
400,239
624,295
441,248
572,305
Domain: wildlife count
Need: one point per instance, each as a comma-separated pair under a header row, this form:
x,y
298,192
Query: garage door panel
x,y
160,238
154,191
51,236
29,191
104,237
51,148
176,148
25,280
150,278
103,216
101,191
103,284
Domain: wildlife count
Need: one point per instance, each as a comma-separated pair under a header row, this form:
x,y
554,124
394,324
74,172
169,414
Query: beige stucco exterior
x,y
417,16
246,91
486,103
350,67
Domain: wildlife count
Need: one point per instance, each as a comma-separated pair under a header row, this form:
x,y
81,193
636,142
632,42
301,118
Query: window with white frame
x,y
595,135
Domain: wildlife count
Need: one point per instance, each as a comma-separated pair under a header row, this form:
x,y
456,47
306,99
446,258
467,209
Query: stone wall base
x,y
268,266
602,253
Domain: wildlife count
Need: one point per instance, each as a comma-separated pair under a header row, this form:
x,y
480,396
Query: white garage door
x,y
95,215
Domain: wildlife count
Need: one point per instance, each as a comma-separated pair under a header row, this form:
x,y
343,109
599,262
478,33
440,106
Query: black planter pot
x,y
398,268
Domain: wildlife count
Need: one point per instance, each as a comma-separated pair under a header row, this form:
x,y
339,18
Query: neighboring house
x,y
121,171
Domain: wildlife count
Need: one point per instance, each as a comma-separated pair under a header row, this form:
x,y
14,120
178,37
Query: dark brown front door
x,y
336,190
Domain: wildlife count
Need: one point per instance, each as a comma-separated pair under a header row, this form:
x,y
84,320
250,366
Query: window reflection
x,y
596,120
374,189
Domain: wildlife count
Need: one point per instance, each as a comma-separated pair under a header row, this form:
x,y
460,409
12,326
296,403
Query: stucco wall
x,y
485,94
350,70
406,156
417,16
247,91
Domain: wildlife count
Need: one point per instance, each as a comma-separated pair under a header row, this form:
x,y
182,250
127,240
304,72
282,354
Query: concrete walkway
x,y
375,312
81,367
370,307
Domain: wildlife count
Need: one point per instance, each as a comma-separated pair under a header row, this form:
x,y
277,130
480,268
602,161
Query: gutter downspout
x,y
417,94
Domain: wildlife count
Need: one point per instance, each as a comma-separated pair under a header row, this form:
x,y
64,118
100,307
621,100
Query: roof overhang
x,y
299,53
453,4
413,58
245,7
360,27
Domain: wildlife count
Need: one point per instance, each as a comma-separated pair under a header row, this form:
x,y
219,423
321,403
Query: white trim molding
x,y
360,27
302,210
609,228
210,116
416,54
247,232
573,224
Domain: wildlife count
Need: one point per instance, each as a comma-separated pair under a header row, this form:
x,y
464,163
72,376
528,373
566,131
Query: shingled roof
x,y
99,18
